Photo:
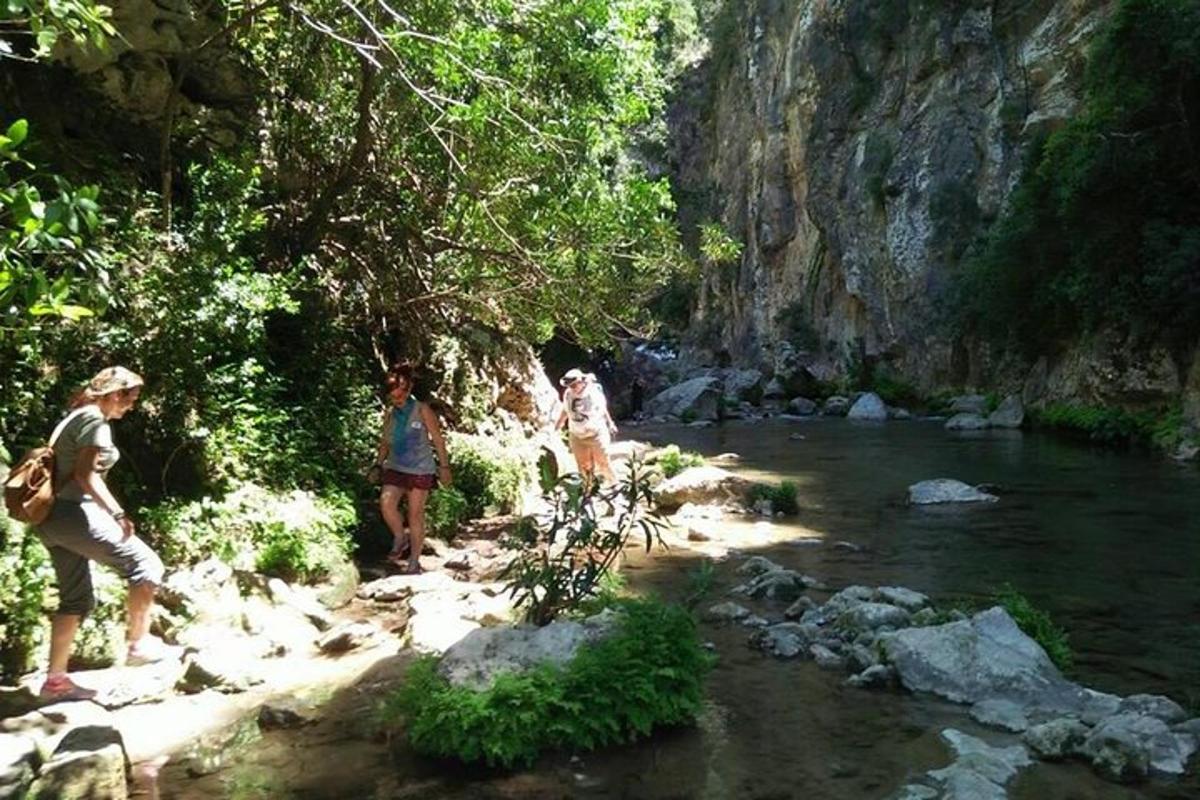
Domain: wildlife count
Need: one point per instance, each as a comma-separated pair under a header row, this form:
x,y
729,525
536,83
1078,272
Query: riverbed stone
x,y
1009,414
985,657
980,771
302,600
89,763
205,592
223,671
339,585
797,609
785,639
869,407
1129,746
1003,714
780,584
836,406
757,565
946,490
1154,705
726,612
697,399
874,677
1056,739
483,654
966,422
701,485
802,407
872,616
826,658
899,596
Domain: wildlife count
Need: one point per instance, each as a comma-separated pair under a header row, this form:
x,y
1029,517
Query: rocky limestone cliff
x,y
857,148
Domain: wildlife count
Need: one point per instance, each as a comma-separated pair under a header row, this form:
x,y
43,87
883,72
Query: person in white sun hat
x,y
589,425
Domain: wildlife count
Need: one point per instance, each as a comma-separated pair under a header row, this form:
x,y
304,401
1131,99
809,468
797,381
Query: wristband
x,y
119,515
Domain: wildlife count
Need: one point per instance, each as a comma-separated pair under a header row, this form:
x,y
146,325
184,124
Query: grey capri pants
x,y
76,533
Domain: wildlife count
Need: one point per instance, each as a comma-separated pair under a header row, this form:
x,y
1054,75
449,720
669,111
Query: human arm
x,y
439,443
382,449
91,481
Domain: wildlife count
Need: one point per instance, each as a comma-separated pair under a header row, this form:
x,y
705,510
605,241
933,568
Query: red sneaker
x,y
60,688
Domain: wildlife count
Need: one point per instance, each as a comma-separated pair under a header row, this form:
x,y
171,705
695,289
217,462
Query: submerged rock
x,y
946,490
1128,746
726,612
785,639
801,407
1003,714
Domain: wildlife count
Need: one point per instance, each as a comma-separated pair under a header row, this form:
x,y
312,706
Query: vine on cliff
x,y
1104,229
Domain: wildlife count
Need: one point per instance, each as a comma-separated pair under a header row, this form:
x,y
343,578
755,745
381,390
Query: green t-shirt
x,y
85,427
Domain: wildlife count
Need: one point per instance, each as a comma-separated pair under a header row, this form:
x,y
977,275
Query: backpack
x,y
29,487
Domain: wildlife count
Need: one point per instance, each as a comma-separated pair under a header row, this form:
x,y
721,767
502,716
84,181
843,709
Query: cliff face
x,y
857,148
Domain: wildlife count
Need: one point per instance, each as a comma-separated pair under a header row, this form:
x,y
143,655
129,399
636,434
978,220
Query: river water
x,y
1105,541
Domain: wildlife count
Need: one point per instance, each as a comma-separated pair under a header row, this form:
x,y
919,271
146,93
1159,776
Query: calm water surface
x,y
1107,542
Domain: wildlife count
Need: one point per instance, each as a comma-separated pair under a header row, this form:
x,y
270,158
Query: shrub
x,y
648,673
783,498
25,574
445,510
1037,625
1100,424
673,461
296,533
487,473
557,571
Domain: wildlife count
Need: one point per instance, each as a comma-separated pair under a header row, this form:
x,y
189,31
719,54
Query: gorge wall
x,y
857,148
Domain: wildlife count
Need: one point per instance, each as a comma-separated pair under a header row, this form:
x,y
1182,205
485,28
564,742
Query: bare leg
x,y
62,635
601,464
389,506
141,597
585,462
416,526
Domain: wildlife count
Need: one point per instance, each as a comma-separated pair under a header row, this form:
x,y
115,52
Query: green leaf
x,y
17,132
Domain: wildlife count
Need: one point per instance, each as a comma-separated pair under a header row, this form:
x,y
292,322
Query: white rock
x,y
946,490
869,406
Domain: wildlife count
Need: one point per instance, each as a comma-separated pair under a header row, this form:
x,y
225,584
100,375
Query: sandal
x,y
61,688
412,569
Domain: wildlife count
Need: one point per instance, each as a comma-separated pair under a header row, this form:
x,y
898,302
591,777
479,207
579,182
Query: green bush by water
x,y
673,461
649,673
1113,425
783,498
1037,625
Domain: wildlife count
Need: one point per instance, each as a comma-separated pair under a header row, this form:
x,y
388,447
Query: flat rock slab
x,y
946,490
88,763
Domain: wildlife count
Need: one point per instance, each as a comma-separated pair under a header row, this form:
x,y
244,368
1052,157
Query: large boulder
x,y
744,384
19,760
481,655
836,406
869,406
986,657
1010,413
700,485
946,490
802,407
697,399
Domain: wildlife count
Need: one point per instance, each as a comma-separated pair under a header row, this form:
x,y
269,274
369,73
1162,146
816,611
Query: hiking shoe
x,y
59,688
151,650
